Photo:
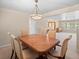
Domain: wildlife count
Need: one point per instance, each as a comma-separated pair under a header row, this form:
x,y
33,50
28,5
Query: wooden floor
x,y
72,52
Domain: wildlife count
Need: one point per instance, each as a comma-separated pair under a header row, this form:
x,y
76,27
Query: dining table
x,y
40,43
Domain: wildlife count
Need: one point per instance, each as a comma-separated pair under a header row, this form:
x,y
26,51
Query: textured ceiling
x,y
44,5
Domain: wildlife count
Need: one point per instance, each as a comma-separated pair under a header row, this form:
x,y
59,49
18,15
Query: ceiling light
x,y
36,15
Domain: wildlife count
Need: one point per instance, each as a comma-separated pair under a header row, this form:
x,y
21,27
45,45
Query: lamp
x,y
36,15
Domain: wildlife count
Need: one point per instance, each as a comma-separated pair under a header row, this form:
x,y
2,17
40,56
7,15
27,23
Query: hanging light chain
x,y
36,1
36,8
36,15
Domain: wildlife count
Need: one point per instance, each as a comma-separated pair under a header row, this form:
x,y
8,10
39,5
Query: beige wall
x,y
11,21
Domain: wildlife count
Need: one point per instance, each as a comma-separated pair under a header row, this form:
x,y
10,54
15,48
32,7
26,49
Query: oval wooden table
x,y
39,43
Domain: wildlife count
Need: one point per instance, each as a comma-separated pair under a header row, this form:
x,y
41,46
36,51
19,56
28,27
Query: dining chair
x,y
64,48
12,44
19,53
52,35
15,44
18,49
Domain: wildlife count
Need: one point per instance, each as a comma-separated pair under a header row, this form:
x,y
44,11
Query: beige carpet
x,y
5,53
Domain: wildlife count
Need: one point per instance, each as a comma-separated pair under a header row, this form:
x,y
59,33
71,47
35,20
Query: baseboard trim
x,y
3,46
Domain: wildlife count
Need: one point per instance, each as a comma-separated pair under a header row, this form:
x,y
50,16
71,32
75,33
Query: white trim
x,y
63,10
4,45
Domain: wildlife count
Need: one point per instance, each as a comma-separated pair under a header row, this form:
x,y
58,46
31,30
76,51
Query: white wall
x,y
11,21
42,25
32,26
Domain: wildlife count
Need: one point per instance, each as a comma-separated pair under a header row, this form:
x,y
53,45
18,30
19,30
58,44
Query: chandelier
x,y
36,15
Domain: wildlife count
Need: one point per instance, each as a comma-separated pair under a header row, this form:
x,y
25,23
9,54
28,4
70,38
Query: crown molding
x,y
11,10
63,10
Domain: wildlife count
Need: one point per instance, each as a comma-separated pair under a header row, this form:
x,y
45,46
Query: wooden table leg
x,y
42,57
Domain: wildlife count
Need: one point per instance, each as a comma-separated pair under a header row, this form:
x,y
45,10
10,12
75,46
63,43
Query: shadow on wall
x,y
11,21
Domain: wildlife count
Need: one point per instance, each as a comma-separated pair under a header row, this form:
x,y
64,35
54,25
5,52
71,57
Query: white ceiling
x,y
44,5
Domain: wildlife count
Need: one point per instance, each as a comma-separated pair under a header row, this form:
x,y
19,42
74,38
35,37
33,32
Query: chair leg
x,y
12,54
60,58
55,48
64,57
16,56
